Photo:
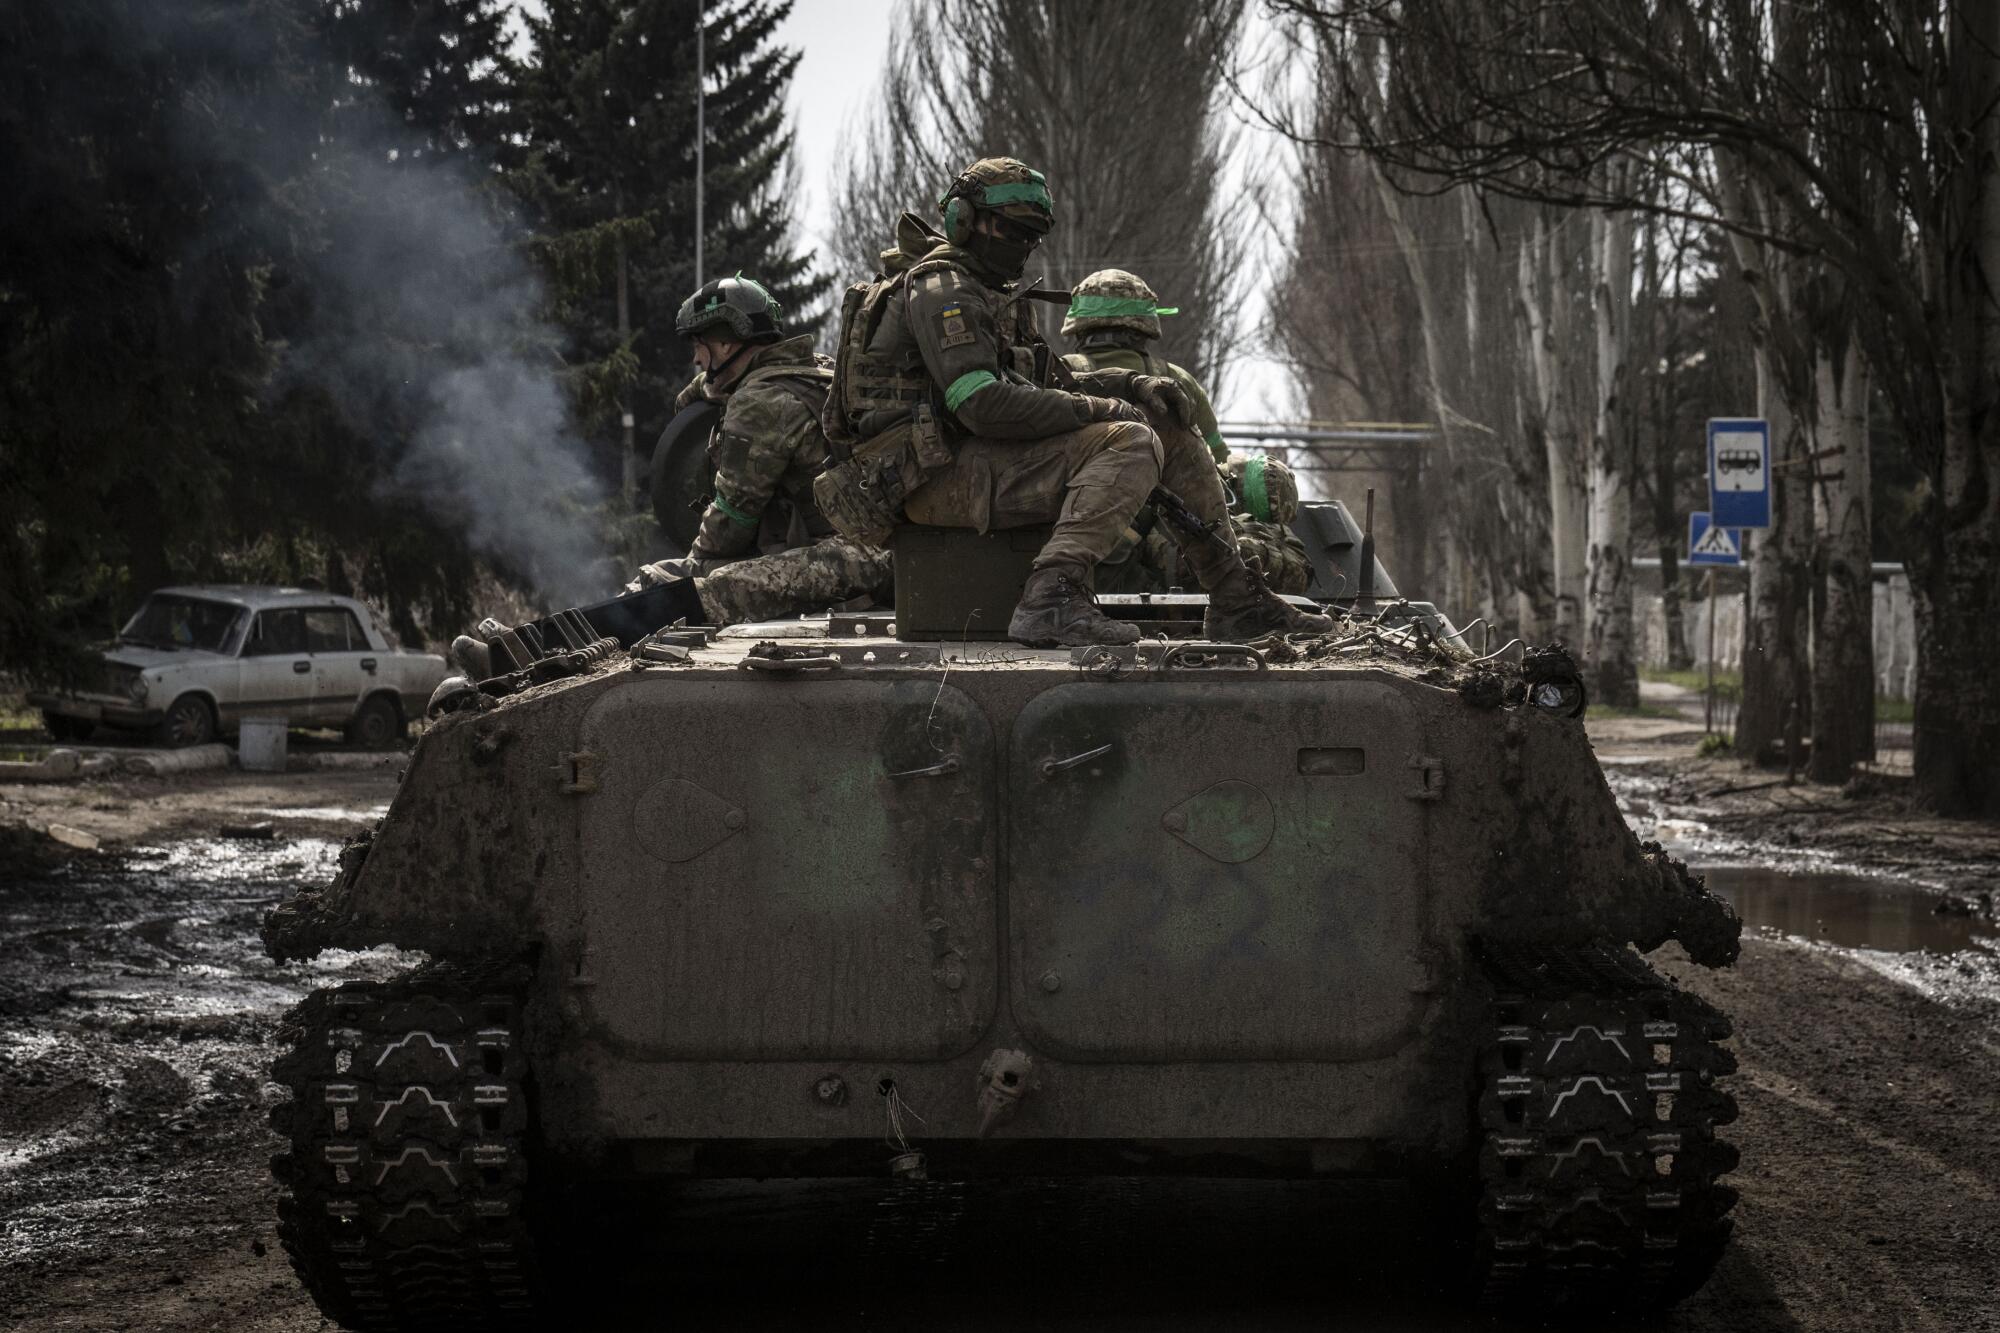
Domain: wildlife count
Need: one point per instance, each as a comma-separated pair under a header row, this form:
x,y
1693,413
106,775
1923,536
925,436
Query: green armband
x,y
1216,446
736,515
962,388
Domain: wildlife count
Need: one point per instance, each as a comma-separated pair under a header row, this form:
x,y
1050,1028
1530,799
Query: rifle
x,y
1175,511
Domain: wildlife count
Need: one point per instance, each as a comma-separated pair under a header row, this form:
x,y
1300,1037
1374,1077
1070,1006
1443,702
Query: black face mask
x,y
1004,249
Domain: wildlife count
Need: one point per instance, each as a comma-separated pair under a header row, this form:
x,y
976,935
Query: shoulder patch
x,y
953,331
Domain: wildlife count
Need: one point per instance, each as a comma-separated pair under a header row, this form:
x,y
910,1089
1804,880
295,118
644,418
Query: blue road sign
x,y
1710,545
1739,472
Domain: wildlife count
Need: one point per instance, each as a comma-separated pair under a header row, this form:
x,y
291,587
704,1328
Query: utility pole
x,y
700,130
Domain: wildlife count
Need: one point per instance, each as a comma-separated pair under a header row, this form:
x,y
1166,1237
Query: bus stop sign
x,y
1739,472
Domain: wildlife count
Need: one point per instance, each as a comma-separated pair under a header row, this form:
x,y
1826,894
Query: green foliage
x,y
271,311
1712,745
603,152
1728,684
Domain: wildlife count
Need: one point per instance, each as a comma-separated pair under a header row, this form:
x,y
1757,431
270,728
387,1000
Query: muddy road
x,y
136,1008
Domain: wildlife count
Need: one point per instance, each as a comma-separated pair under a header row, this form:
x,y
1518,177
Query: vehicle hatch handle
x,y
300,668
1051,767
943,768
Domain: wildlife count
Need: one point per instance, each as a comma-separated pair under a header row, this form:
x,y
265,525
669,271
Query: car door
x,y
276,671
343,663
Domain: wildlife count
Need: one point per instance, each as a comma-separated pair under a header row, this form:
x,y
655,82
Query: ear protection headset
x,y
958,210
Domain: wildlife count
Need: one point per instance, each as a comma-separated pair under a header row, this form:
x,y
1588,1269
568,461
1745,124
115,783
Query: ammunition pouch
x,y
862,493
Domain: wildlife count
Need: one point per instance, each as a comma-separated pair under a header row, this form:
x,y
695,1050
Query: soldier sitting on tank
x,y
1263,500
1019,451
1113,316
763,550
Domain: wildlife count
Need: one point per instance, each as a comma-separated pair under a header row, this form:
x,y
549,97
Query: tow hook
x,y
1003,1081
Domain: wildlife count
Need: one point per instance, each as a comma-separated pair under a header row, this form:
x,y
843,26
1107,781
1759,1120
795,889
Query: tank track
x,y
405,1183
1598,1109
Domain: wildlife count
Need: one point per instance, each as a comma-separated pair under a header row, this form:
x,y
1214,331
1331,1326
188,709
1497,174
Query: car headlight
x,y
129,681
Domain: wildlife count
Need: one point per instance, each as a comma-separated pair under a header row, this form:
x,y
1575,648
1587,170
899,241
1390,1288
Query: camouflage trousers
x,y
1091,482
1154,564
1088,482
800,581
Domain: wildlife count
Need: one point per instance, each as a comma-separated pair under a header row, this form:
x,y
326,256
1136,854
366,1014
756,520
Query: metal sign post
x,y
1711,544
1708,704
1739,472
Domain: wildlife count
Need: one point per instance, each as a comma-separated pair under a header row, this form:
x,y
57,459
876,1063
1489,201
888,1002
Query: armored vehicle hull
x,y
852,906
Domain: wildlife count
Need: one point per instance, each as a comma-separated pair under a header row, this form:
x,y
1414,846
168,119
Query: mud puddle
x,y
136,1012
1852,911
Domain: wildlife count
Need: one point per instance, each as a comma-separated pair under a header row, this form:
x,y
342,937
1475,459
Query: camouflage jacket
x,y
767,448
1097,352
976,347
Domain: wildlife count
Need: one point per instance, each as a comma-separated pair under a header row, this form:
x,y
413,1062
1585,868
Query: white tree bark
x,y
1610,660
1843,666
1547,313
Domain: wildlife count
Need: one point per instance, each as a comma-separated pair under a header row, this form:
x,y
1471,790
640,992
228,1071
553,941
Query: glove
x,y
1165,398
1111,409
666,571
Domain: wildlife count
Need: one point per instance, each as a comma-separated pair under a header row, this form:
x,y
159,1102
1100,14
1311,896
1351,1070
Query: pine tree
x,y
604,159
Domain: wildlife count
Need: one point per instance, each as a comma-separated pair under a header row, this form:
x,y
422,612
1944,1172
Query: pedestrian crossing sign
x,y
1711,545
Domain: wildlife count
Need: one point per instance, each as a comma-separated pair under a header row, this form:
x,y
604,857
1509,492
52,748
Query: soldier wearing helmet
x,y
1264,501
763,549
1264,498
1023,451
1112,316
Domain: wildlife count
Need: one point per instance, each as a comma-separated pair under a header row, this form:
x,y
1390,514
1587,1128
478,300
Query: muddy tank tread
x,y
1598,1108
405,1180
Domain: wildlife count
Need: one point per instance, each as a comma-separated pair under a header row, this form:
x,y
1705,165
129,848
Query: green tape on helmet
x,y
1111,307
1017,192
1256,495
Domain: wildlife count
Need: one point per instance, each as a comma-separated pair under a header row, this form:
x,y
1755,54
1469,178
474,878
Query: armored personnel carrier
x,y
814,899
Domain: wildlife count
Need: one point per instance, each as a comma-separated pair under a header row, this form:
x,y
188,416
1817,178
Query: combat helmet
x,y
1008,188
741,305
1265,488
1111,298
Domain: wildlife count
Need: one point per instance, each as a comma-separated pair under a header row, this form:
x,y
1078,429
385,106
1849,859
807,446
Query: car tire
x,y
188,721
62,727
376,725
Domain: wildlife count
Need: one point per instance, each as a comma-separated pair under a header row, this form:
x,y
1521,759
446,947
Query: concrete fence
x,y
1895,631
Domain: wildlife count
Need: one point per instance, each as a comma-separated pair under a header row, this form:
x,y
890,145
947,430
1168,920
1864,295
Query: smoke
x,y
428,326
402,295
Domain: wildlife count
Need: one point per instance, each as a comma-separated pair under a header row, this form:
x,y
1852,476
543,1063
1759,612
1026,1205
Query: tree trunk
x,y
1613,668
1957,759
1680,657
1546,270
1843,663
1775,622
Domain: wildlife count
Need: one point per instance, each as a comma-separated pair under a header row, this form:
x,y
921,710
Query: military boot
x,y
1241,608
1056,611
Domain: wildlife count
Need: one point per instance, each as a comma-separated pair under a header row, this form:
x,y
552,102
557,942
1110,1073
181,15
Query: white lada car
x,y
193,662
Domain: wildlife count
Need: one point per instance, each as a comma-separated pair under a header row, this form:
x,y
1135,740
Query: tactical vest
x,y
868,382
869,475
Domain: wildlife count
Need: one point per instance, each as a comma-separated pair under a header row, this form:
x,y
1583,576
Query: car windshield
x,y
168,620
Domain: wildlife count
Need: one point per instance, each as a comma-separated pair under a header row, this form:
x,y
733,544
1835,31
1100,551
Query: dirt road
x,y
135,1010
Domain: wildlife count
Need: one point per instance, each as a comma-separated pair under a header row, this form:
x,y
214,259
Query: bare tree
x,y
1530,97
1117,104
